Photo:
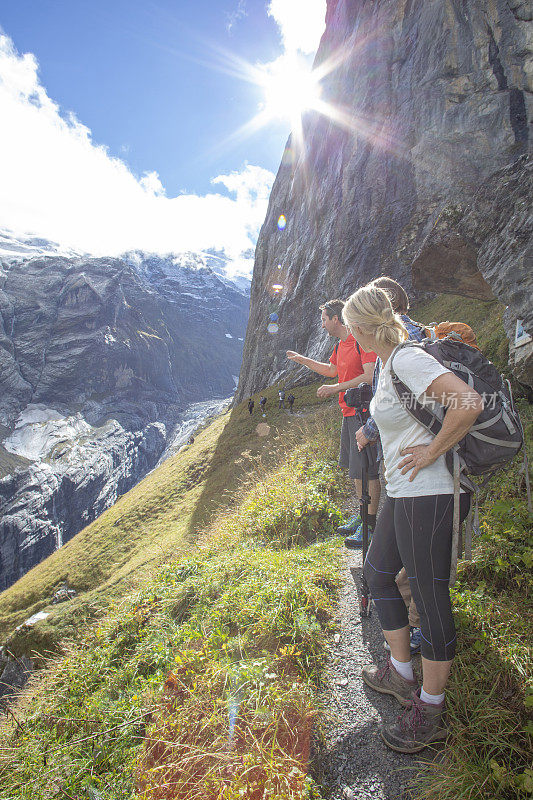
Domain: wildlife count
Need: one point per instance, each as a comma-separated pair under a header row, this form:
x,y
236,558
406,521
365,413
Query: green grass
x,y
157,519
203,680
207,596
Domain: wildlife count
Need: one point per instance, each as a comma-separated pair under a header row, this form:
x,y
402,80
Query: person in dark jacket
x,y
251,405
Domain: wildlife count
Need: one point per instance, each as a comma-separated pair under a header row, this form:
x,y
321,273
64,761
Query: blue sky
x,y
130,70
150,82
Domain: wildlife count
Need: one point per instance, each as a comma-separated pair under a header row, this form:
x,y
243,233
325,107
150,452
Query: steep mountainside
x,y
420,172
98,359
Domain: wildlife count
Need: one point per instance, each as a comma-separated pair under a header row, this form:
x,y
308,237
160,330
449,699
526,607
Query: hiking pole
x,y
365,502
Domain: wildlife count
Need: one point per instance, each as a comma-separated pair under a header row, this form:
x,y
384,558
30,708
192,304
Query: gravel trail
x,y
354,761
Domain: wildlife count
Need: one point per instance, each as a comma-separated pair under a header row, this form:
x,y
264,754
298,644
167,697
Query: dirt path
x,y
355,763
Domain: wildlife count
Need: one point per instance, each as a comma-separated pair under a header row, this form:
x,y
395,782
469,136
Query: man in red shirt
x,y
353,367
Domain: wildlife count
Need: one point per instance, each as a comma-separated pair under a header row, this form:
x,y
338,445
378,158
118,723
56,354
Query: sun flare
x,y
290,88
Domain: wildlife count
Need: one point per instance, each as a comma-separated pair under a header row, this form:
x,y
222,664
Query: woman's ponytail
x,y
370,308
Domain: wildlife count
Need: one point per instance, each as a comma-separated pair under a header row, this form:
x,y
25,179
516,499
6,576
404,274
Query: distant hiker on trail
x,y
290,399
353,366
190,440
251,405
263,402
414,528
281,395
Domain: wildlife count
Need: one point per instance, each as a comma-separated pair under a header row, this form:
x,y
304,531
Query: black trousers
x,y
416,532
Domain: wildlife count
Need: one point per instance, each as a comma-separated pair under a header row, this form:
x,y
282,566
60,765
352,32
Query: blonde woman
x,y
414,528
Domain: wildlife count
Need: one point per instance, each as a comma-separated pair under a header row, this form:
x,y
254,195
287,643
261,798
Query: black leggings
x,y
416,532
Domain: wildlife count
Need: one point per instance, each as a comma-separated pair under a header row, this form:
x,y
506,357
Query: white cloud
x,y
57,183
251,188
236,15
151,184
301,22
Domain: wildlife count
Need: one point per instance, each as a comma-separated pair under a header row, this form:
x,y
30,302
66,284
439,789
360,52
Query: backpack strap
x,y
455,465
456,517
420,413
461,481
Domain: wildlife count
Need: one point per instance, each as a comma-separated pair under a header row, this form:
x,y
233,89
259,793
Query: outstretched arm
x,y
328,370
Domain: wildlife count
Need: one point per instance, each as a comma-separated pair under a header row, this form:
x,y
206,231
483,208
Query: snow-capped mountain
x,y
16,247
99,360
23,247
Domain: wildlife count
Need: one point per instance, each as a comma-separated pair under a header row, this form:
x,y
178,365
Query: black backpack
x,y
492,441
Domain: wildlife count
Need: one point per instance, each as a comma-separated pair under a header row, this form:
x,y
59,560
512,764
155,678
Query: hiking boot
x,y
416,641
355,541
415,635
416,728
350,525
386,680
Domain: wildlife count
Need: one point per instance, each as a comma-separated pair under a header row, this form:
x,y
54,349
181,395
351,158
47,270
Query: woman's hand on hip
x,y
416,458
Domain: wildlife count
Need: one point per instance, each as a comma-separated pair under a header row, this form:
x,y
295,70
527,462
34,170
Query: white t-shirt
x,y
398,429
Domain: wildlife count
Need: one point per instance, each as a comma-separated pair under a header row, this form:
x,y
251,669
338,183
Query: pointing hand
x,y
326,390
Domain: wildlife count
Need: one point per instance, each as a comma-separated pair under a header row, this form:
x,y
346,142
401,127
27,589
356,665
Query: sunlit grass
x,y
201,686
209,597
156,519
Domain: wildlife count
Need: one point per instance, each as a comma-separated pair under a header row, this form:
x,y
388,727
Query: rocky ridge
x,y
426,144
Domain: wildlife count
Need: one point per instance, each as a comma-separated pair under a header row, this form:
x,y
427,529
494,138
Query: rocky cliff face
x,y
424,147
98,359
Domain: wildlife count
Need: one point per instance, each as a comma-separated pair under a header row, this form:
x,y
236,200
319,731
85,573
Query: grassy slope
x,y
157,518
118,669
236,629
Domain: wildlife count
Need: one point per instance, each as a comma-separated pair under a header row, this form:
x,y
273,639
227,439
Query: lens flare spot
x,y
233,713
288,157
279,266
273,327
282,222
273,317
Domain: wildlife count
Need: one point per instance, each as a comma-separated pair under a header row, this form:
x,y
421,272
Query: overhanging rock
x,y
484,249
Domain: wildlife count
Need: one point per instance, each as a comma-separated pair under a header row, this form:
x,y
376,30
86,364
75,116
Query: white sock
x,y
435,699
405,668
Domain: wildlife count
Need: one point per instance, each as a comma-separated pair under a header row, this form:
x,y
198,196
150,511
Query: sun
x,y
290,88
